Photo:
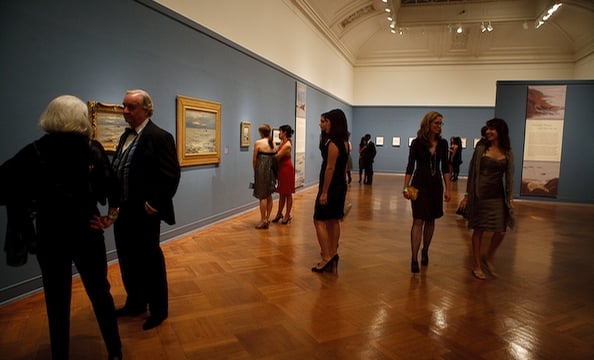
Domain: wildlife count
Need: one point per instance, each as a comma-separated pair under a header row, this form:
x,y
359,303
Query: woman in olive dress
x,y
488,199
265,173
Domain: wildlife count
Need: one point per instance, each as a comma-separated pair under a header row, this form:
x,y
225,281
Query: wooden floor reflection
x,y
241,293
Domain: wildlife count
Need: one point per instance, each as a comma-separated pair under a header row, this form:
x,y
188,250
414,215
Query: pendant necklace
x,y
433,163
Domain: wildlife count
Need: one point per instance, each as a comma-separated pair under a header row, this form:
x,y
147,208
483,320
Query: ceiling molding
x,y
359,31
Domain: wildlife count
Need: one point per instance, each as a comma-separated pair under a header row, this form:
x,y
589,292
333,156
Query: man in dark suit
x,y
370,151
148,169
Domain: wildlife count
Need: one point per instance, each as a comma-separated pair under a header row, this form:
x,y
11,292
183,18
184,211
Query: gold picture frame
x,y
245,134
108,123
198,131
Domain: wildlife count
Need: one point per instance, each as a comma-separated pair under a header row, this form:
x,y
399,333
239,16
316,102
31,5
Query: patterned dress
x,y
265,175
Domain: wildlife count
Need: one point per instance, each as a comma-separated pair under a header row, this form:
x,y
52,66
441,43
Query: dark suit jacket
x,y
154,170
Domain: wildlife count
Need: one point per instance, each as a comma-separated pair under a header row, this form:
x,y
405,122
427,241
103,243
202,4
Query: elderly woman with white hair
x,y
60,178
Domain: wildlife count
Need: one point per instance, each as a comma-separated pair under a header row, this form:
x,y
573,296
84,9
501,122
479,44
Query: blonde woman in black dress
x,y
488,200
429,152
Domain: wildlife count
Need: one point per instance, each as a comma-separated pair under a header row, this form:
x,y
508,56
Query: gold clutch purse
x,y
412,192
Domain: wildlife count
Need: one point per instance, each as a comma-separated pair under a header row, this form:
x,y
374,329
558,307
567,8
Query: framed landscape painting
x,y
198,131
245,134
108,123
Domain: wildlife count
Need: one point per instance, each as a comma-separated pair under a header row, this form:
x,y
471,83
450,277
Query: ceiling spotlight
x,y
390,18
489,27
393,25
546,15
393,31
483,28
388,10
459,29
385,1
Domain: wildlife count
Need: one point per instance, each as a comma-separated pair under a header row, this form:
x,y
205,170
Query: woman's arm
x,y
509,180
410,167
255,156
330,166
285,150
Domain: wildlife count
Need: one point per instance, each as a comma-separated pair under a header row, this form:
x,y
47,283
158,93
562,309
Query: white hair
x,y
66,113
147,101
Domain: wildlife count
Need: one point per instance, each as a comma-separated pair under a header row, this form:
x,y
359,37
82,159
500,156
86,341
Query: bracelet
x,y
405,190
112,217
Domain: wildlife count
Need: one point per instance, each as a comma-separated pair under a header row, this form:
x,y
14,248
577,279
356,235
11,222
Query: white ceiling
x,y
360,31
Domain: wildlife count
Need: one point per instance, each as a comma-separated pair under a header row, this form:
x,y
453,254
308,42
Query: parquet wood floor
x,y
241,293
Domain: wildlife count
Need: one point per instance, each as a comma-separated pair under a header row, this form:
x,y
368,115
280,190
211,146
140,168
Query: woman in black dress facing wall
x,y
429,154
329,205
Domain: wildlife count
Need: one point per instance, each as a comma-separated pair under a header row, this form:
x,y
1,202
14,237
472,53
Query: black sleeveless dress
x,y
337,190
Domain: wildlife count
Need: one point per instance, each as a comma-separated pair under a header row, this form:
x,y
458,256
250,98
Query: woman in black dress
x,y
488,201
329,205
429,152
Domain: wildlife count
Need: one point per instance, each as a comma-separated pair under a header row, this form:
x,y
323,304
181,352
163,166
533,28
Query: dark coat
x,y
154,170
51,189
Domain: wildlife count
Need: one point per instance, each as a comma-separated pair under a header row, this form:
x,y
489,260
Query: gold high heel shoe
x,y
262,225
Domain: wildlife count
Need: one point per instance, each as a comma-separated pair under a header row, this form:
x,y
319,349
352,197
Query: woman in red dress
x,y
286,175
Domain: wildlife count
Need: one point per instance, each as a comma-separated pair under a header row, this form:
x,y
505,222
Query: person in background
x,y
332,187
427,165
349,168
455,156
489,198
370,151
265,173
362,158
286,175
483,136
62,176
148,171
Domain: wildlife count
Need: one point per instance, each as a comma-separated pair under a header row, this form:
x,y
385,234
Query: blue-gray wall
x,y
576,173
97,49
404,122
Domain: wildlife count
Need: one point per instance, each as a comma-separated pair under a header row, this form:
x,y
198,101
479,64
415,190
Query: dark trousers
x,y
55,257
368,173
142,263
455,172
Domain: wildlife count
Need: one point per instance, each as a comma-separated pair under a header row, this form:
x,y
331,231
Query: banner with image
x,y
545,116
299,135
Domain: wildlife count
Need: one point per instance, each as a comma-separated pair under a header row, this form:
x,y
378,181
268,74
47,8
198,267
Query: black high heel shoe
x,y
323,266
285,222
414,267
277,218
